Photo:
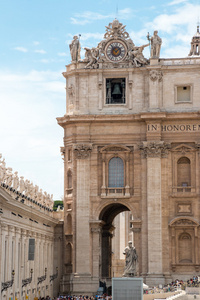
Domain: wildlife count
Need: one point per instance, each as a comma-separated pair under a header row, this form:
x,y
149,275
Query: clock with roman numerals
x,y
116,51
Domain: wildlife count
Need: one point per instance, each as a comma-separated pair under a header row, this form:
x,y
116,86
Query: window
x,y
116,160
116,172
69,154
183,93
115,90
31,249
183,172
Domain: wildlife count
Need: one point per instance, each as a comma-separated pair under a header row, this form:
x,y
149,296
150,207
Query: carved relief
x,y
155,75
184,222
116,50
184,208
82,151
154,149
116,29
71,93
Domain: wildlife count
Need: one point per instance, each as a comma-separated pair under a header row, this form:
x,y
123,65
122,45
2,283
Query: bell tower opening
x,y
115,90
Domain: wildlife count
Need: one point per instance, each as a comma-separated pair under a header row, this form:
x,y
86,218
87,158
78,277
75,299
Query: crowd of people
x,y
171,287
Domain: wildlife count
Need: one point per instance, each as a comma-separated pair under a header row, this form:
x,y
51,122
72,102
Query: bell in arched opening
x,y
117,90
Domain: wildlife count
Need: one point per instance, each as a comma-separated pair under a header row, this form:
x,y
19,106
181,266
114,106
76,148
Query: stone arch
x,y
107,215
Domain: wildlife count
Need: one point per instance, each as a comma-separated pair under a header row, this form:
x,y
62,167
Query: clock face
x,y
115,51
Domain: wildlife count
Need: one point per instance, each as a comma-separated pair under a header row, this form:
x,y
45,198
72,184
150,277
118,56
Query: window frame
x,y
190,85
125,104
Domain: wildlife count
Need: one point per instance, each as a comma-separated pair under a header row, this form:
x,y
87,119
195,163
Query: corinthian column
x,y
153,151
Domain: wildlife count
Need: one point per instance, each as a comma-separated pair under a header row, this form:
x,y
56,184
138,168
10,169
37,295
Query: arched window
x,y
183,172
116,172
185,248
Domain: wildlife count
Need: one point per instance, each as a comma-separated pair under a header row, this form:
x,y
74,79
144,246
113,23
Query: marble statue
x,y
2,170
137,57
91,56
21,184
25,187
8,177
131,260
75,49
156,43
15,181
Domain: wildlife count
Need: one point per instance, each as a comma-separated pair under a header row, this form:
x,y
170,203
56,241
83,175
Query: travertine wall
x,y
150,133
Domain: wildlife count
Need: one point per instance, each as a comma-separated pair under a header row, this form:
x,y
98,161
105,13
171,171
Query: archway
x,y
107,215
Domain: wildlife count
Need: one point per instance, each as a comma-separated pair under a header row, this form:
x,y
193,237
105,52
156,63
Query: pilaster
x,y
153,151
82,155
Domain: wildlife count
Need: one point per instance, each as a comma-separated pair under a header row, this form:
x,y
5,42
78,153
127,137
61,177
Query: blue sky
x,y
34,50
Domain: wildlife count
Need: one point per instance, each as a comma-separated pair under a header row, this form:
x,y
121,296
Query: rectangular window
x,y
115,91
183,94
31,249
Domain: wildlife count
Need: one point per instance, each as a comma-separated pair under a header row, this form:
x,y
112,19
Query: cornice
x,y
141,117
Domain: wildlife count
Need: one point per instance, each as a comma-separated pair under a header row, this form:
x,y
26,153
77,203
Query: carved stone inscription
x,y
174,128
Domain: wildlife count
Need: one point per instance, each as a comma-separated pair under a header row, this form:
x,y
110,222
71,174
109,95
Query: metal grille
x,y
116,172
31,250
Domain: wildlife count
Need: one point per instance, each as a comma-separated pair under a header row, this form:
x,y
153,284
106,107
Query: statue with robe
x,y
131,260
75,49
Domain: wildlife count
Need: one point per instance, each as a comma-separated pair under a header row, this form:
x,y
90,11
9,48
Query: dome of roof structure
x,y
195,44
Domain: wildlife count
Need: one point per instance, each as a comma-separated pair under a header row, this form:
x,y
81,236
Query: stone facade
x,y
31,239
141,122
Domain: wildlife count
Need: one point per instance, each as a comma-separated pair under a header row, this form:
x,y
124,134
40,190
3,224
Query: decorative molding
x,y
155,75
184,222
154,149
82,151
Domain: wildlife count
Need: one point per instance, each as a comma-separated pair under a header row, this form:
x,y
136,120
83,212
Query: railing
x,y
183,189
118,190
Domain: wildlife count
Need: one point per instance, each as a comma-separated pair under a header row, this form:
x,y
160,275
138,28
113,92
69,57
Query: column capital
x,y
154,149
96,226
82,151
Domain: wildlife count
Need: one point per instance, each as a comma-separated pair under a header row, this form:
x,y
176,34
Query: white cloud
x,y
88,35
170,23
21,49
90,16
28,126
40,51
62,54
45,61
36,43
175,2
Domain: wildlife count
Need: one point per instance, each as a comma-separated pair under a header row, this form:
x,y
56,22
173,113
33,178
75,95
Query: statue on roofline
x,y
156,43
75,49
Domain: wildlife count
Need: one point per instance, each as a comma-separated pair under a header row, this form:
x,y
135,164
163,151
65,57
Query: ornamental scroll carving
x,y
155,75
154,149
82,151
184,222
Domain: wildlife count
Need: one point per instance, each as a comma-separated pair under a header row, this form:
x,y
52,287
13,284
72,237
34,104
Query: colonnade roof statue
x,y
117,48
23,188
